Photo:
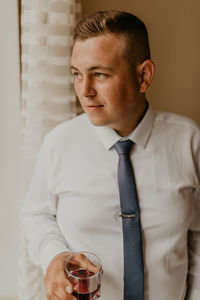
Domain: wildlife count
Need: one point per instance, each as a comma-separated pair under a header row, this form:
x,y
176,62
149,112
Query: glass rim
x,y
82,252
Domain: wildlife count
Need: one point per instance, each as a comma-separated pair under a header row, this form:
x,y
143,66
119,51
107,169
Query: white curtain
x,y
47,97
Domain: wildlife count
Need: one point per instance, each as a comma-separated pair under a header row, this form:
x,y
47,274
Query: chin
x,y
97,121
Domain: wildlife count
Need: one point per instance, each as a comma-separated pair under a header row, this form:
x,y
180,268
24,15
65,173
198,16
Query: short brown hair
x,y
127,26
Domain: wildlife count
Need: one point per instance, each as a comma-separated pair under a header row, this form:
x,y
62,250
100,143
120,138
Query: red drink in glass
x,y
84,290
84,271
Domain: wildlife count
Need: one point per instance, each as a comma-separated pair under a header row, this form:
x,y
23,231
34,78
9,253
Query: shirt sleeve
x,y
193,291
38,215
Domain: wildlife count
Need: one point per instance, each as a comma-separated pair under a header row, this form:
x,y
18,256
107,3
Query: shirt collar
x,y
140,135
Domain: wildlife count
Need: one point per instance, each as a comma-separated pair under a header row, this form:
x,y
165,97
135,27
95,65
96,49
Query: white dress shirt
x,y
73,202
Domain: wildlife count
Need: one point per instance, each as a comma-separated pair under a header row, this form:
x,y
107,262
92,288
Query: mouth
x,y
93,107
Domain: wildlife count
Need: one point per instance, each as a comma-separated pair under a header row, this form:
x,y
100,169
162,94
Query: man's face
x,y
106,88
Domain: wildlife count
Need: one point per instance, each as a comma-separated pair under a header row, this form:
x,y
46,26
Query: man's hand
x,y
57,286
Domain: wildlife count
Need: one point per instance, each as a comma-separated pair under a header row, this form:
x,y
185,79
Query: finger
x,y
53,297
64,297
85,263
65,284
60,287
63,294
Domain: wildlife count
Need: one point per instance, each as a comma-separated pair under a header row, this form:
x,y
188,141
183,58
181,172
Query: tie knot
x,y
123,147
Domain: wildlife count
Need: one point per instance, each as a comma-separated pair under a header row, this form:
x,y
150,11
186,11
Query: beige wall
x,y
174,28
9,148
8,298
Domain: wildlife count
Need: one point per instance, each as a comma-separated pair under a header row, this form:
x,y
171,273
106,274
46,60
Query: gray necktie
x,y
133,259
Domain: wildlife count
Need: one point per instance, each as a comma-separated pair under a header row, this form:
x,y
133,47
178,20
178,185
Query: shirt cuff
x,y
49,251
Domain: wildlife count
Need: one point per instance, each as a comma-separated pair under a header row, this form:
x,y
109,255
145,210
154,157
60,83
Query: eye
x,y
100,75
76,74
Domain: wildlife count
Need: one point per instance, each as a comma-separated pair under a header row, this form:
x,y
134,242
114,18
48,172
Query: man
x,y
73,203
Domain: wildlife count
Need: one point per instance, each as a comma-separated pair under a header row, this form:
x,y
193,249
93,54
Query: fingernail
x,y
68,289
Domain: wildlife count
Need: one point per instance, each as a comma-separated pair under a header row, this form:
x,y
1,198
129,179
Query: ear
x,y
145,73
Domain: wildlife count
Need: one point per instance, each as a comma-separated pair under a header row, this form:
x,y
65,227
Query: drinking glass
x,y
85,277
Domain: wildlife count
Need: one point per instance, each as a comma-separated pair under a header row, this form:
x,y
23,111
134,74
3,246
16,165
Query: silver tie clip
x,y
127,216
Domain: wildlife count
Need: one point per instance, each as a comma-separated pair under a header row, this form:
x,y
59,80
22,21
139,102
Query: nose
x,y
87,87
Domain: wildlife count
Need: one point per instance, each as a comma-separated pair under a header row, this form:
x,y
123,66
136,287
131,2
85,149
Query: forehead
x,y
106,48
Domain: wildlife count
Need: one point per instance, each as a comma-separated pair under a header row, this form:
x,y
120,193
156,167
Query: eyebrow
x,y
94,68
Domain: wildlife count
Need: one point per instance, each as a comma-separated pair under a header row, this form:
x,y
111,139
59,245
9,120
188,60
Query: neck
x,y
139,115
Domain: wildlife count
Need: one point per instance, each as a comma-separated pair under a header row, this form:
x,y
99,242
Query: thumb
x,y
82,261
86,264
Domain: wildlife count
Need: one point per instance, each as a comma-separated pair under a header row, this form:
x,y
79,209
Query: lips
x,y
93,106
